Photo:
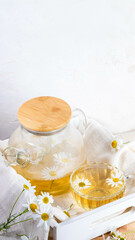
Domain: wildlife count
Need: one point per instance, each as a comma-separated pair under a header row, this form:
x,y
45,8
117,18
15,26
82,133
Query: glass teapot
x,y
47,146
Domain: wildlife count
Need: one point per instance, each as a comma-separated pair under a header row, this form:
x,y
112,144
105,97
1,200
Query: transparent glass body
x,y
46,159
97,184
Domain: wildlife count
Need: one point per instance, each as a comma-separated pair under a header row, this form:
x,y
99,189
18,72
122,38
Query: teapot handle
x,y
81,125
16,156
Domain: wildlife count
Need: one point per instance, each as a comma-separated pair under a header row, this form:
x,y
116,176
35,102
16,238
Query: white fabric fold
x,y
97,141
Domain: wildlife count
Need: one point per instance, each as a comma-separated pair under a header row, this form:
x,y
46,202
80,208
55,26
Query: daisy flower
x,y
116,234
45,199
114,237
27,186
63,214
63,158
69,211
115,180
31,204
82,184
45,217
51,173
116,143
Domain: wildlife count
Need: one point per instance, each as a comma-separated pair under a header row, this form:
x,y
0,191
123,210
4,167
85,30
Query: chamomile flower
x,y
63,158
45,199
116,234
82,184
116,143
31,204
45,217
115,180
51,173
68,212
27,186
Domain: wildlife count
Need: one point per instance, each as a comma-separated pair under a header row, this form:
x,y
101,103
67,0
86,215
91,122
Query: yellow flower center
x,y
114,143
45,216
65,160
52,173
116,179
67,213
45,200
26,187
81,184
33,207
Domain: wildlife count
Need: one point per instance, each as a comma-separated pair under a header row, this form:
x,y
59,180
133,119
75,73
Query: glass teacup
x,y
97,184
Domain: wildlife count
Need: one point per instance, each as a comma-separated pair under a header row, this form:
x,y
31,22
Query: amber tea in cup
x,y
97,184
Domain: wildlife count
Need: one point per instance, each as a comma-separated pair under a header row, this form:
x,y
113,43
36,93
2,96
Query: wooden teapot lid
x,y
44,114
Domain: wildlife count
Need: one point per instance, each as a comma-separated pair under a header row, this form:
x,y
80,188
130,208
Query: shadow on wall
x,y
9,104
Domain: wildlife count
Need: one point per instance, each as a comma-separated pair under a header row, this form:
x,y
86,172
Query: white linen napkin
x,y
97,143
98,147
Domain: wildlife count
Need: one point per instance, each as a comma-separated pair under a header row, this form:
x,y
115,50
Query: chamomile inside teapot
x,y
47,146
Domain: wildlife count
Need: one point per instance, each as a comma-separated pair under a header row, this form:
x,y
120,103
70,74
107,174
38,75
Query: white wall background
x,y
80,50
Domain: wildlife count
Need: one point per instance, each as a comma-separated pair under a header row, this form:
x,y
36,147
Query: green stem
x,y
126,142
71,205
15,204
20,222
5,225
25,211
51,184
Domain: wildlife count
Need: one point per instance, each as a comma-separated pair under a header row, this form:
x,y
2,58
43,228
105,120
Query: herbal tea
x,y
97,184
54,186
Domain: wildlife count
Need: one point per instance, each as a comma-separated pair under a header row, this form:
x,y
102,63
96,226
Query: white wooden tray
x,y
98,221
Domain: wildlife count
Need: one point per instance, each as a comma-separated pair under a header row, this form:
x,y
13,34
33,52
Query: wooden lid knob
x,y
44,114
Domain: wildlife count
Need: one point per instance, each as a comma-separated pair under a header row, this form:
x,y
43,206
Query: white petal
x,y
40,223
46,227
52,223
58,213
